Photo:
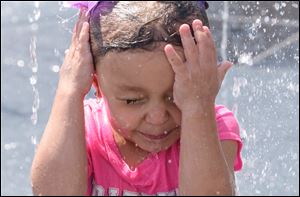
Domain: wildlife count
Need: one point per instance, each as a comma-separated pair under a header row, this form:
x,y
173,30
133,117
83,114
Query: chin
x,y
154,149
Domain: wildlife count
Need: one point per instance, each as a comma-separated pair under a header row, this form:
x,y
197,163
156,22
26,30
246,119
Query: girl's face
x,y
137,88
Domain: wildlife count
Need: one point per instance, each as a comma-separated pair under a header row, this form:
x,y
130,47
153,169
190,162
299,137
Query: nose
x,y
157,115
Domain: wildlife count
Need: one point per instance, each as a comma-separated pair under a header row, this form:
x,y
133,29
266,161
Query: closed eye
x,y
132,101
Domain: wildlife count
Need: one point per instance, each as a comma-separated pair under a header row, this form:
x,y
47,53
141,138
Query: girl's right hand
x,y
77,71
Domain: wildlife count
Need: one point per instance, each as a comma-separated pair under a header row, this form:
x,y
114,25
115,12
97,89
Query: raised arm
x,y
203,168
60,163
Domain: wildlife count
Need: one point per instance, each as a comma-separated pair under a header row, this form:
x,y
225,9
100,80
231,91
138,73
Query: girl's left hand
x,y
198,79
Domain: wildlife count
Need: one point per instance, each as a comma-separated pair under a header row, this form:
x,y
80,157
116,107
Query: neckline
x,y
115,148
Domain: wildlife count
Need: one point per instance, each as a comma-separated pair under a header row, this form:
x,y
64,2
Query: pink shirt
x,y
108,174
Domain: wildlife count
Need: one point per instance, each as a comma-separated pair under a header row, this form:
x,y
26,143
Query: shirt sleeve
x,y
228,129
88,115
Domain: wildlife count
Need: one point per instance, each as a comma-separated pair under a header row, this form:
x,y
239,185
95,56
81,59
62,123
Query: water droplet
x,y
55,68
258,21
243,134
295,5
132,168
169,161
246,58
10,146
56,52
66,51
33,140
37,14
155,155
277,6
35,105
267,19
36,4
20,63
32,49
33,80
238,83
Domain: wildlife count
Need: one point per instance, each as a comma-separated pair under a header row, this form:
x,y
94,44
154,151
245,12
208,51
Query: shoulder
x,y
93,115
226,121
229,135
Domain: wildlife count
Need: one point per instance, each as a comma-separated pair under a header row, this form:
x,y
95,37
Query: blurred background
x,y
262,89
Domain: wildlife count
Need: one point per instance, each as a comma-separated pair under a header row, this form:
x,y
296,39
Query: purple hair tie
x,y
80,4
91,4
203,4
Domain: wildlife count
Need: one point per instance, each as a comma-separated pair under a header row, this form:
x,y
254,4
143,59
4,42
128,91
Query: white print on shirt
x,y
99,190
112,191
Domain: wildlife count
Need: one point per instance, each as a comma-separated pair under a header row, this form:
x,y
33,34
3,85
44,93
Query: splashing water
x,y
225,17
238,83
262,88
33,64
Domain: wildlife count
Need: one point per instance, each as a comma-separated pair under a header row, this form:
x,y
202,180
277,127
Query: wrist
x,y
198,107
69,93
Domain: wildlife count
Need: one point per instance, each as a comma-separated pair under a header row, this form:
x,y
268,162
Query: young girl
x,y
154,128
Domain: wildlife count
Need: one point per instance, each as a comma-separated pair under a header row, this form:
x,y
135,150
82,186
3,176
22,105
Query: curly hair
x,y
121,26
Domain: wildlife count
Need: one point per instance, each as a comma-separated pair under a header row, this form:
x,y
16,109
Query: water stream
x,y
262,89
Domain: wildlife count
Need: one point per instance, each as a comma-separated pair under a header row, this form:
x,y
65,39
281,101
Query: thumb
x,y
222,70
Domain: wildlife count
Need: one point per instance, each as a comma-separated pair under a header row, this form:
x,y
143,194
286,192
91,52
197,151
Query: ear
x,y
96,86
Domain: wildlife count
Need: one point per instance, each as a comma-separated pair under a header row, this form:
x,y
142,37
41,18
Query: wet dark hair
x,y
121,26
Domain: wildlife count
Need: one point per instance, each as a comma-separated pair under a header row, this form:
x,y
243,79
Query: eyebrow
x,y
131,88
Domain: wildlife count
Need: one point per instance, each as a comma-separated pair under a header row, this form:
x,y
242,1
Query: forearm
x,y
203,168
60,164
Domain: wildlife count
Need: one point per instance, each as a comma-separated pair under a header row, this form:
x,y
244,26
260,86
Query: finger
x,y
198,29
206,29
188,43
205,43
176,62
72,46
222,70
84,37
201,35
80,21
76,32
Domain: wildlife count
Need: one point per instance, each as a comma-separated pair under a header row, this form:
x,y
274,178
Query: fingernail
x,y
198,24
85,24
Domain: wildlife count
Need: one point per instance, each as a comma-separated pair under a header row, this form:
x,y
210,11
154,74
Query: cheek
x,y
124,119
176,115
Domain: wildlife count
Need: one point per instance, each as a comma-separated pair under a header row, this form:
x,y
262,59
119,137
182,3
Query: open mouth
x,y
161,136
